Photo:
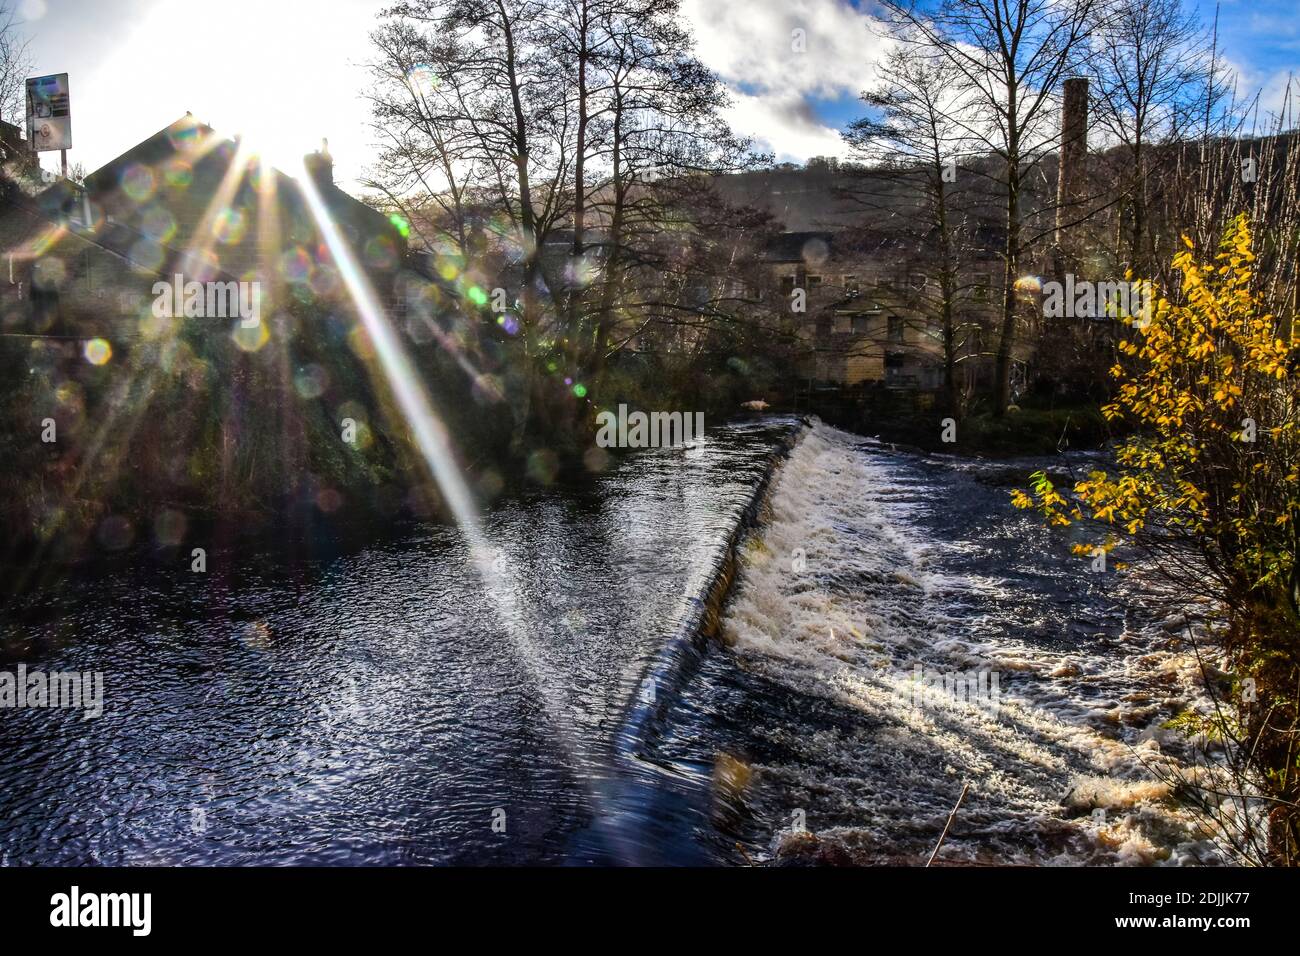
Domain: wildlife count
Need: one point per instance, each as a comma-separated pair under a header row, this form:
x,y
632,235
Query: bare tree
x,y
1152,71
660,128
499,106
425,166
15,66
916,100
1010,57
521,118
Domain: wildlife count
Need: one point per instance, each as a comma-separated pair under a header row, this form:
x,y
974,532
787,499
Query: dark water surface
x,y
372,708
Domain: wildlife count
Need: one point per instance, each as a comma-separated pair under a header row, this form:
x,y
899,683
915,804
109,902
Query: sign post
x,y
49,115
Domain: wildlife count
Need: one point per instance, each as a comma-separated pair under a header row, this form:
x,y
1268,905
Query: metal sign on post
x,y
49,115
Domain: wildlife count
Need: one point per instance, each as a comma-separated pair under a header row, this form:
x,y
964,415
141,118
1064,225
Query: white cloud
x,y
754,43
1277,91
295,76
1277,95
774,73
780,125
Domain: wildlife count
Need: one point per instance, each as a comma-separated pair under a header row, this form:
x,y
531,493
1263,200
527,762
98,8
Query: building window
x,y
981,288
861,323
787,285
895,328
851,285
814,282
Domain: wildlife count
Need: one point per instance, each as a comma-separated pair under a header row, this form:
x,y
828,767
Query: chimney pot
x,y
320,165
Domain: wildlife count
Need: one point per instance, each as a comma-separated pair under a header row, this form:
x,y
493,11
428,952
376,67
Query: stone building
x,y
864,299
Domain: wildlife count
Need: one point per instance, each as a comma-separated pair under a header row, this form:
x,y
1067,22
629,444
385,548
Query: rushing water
x,y
372,707
873,564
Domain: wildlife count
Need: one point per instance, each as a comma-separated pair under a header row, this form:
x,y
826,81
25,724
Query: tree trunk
x,y
1006,342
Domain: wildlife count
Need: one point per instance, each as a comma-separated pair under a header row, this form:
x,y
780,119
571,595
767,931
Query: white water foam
x,y
1077,729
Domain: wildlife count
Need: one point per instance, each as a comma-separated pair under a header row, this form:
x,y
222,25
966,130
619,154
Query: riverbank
x,y
191,443
1025,430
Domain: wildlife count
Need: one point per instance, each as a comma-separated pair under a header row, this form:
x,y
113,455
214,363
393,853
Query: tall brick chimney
x,y
1072,175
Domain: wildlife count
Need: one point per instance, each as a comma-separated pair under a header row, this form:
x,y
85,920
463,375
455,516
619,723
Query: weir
x,y
673,665
644,819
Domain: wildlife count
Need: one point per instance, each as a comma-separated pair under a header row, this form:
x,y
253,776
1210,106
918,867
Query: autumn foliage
x,y
1207,486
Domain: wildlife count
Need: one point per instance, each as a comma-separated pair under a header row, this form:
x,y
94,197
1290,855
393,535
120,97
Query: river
x,y
373,707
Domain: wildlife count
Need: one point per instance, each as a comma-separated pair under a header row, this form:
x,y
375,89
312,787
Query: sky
x,y
287,73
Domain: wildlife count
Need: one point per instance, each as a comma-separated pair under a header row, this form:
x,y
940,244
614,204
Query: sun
x,y
282,75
